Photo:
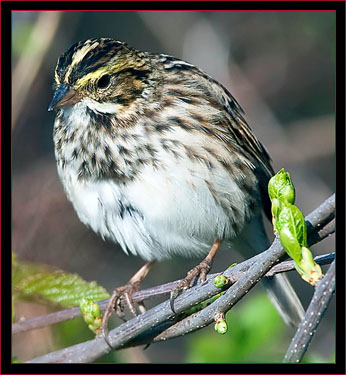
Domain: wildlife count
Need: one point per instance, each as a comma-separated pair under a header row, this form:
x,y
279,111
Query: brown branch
x,y
56,317
316,233
288,265
307,328
144,323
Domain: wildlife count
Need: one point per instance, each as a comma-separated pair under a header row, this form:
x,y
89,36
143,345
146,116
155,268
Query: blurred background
x,y
280,68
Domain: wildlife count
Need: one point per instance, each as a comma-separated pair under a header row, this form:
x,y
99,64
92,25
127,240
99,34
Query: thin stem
x,y
307,328
288,265
59,316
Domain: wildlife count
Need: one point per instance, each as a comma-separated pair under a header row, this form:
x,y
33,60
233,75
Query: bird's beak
x,y
64,96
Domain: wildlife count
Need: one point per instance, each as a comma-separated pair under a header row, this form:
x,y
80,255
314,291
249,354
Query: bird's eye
x,y
104,81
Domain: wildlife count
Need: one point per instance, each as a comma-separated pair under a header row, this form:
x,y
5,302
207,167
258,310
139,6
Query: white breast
x,y
165,210
159,214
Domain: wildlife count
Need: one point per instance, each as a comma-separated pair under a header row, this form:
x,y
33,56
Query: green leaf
x,y
291,227
276,204
42,283
290,244
22,270
61,287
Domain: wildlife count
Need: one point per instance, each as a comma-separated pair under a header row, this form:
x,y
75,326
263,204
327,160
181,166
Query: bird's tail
x,y
278,287
284,298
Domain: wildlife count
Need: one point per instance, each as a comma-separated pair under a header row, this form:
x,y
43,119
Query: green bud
x,y
280,186
276,205
289,224
292,230
91,314
311,271
220,281
221,326
84,305
307,268
90,307
290,244
88,318
307,256
96,325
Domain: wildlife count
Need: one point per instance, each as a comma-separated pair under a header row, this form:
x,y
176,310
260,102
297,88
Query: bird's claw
x,y
201,270
116,303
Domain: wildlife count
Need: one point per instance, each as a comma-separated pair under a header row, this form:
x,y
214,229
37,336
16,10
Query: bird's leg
x,y
126,292
200,270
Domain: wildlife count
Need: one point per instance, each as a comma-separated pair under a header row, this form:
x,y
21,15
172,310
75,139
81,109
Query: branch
x,y
191,323
56,317
256,267
288,265
307,328
314,237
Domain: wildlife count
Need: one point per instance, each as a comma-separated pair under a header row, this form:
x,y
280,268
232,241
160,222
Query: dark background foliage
x,y
279,66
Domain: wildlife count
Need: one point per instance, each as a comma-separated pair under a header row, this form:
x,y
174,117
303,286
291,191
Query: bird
x,y
157,156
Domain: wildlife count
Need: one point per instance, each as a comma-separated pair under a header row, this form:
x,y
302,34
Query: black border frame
x,y
6,142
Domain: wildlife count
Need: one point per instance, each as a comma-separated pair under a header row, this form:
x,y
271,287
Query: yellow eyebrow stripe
x,y
91,76
79,55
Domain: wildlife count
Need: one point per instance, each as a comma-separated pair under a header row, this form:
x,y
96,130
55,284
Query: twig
x,y
59,316
326,231
91,350
224,303
67,314
320,217
307,328
288,265
129,331
191,323
56,317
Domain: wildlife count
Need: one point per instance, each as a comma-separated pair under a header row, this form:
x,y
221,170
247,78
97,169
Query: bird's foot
x,y
201,270
116,303
124,294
